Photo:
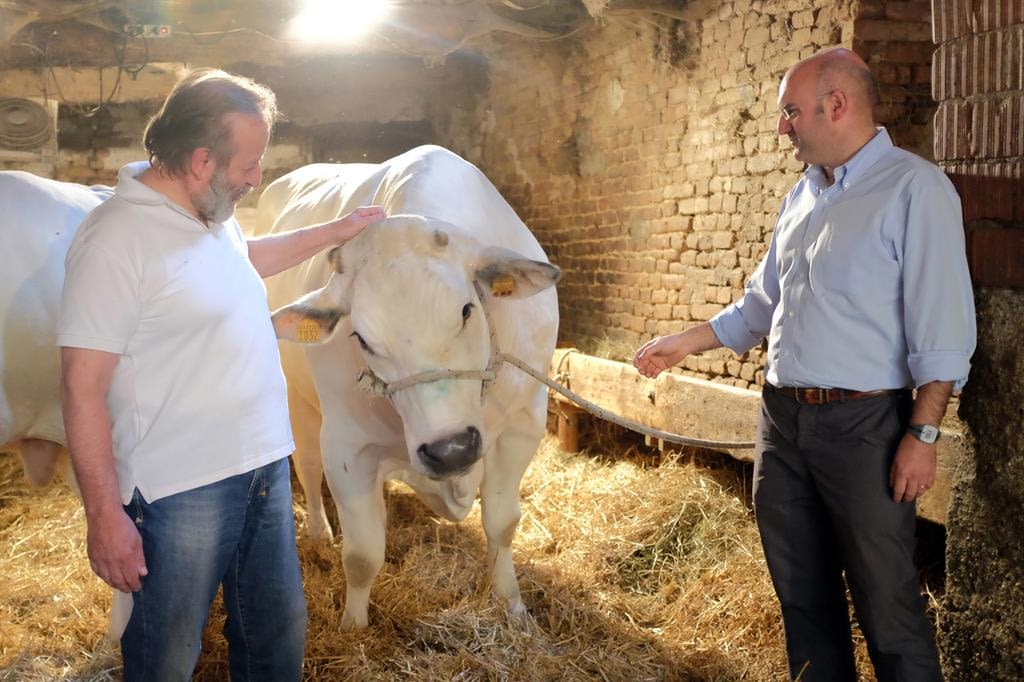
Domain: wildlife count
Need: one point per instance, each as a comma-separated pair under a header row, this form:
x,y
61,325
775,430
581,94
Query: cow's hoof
x,y
320,535
350,622
107,651
517,613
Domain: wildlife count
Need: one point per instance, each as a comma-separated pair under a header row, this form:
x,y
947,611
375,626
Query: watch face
x,y
929,433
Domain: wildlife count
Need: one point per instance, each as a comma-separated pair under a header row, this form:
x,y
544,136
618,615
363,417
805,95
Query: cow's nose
x,y
447,456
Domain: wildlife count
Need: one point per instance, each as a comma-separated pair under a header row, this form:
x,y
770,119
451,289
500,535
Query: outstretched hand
x,y
351,224
657,355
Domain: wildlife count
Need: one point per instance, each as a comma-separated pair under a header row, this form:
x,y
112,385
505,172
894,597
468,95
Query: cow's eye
x,y
467,310
362,343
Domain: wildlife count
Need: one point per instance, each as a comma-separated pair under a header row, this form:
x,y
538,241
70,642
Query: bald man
x,y
864,295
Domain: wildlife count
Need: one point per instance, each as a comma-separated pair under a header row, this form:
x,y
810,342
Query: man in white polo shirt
x,y
173,394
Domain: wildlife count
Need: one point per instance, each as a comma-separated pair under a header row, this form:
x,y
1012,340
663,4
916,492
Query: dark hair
x,y
194,116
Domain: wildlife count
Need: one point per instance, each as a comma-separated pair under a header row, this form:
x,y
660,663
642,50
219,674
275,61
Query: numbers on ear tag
x,y
308,331
502,285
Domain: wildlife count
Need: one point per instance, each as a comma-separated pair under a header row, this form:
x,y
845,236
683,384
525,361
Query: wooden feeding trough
x,y
699,408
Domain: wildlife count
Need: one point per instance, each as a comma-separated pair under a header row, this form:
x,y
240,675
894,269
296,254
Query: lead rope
x,y
596,410
371,383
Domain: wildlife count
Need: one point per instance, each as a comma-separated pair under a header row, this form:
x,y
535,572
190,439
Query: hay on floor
x,y
632,569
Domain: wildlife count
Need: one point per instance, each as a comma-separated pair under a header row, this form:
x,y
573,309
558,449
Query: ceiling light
x,y
337,21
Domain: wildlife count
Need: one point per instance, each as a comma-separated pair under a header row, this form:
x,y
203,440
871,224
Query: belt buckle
x,y
816,396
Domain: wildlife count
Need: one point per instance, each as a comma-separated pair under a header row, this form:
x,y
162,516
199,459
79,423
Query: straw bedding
x,y
633,567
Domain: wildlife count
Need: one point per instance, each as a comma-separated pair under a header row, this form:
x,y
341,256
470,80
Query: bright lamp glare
x,y
337,21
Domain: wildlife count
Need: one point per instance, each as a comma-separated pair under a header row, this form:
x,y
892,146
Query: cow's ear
x,y
507,274
334,258
312,318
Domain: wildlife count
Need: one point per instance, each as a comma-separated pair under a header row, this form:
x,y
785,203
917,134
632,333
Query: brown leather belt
x,y
822,396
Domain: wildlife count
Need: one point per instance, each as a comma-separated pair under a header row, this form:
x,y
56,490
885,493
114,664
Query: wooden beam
x,y
242,33
84,86
380,89
569,426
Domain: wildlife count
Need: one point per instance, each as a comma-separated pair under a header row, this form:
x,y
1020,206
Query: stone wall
x,y
336,108
979,83
91,146
645,157
94,146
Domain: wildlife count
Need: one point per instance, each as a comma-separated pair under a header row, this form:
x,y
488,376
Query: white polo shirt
x,y
198,394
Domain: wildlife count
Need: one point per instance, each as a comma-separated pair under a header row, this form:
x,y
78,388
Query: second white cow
x,y
423,300
38,219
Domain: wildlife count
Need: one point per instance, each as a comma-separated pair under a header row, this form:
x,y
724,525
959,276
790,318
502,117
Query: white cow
x,y
410,298
38,219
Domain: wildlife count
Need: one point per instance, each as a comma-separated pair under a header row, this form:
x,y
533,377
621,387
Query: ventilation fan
x,y
24,125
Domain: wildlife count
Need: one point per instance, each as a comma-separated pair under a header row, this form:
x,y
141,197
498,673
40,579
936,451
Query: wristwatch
x,y
926,433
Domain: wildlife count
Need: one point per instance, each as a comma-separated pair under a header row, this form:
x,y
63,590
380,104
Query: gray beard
x,y
215,203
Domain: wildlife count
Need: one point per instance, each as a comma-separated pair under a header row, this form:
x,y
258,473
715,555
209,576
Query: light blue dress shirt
x,y
865,284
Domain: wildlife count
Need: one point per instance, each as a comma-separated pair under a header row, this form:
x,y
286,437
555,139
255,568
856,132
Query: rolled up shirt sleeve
x,y
938,299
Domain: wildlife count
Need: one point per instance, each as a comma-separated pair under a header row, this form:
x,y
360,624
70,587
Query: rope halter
x,y
372,384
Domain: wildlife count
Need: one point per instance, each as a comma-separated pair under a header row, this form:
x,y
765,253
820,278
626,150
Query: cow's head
x,y
407,284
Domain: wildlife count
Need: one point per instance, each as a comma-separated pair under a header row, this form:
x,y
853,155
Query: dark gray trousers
x,y
824,506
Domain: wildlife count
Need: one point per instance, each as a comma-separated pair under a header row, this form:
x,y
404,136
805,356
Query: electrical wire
x,y
122,68
101,101
194,35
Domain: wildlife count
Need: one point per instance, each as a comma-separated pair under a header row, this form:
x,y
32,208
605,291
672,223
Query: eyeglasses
x,y
790,111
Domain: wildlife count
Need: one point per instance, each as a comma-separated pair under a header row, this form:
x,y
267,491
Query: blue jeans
x,y
238,532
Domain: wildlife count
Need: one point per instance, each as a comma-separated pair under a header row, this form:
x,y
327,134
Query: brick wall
x,y
979,84
895,38
94,147
645,157
978,80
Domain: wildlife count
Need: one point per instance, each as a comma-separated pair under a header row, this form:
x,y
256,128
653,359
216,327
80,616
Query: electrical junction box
x,y
148,30
156,30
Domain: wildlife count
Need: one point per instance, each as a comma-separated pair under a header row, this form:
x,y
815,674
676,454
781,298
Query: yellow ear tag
x,y
308,331
502,285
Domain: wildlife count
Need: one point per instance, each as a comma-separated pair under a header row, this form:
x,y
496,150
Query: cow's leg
x,y
120,612
308,463
39,458
54,455
358,490
499,503
68,472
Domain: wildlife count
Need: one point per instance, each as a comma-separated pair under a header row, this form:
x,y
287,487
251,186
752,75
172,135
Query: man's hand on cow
x,y
659,354
913,470
115,551
351,224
